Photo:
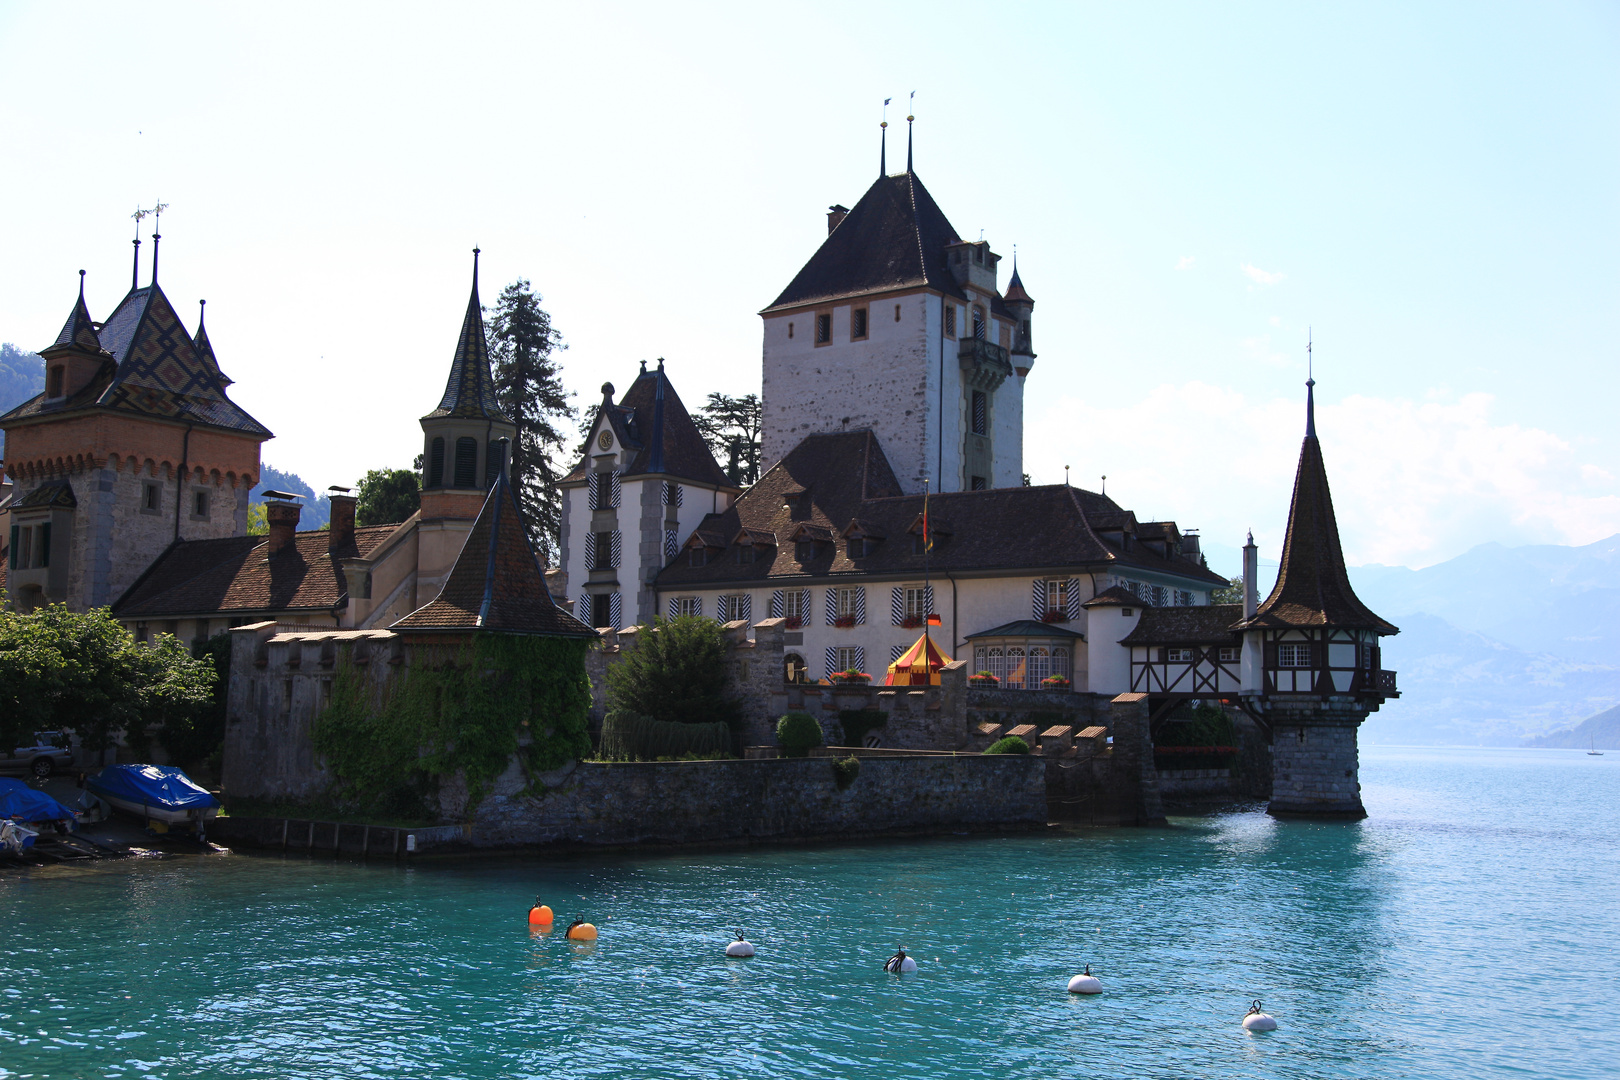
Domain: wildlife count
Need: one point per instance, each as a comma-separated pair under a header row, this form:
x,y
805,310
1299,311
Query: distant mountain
x,y
1462,687
22,375
317,509
1601,732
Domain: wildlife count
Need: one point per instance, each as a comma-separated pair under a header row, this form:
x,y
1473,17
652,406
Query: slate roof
x,y
652,420
893,238
469,392
1015,290
845,477
1313,585
497,583
1211,625
79,331
154,370
236,575
1027,628
205,351
1115,596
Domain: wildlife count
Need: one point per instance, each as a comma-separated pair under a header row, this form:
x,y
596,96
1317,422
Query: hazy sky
x,y
1436,190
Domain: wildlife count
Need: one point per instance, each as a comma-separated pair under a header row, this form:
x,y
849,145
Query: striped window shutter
x,y
860,605
674,494
832,660
616,609
594,485
617,550
896,652
590,551
672,546
778,603
1073,605
614,490
582,608
928,601
1037,601
860,658
745,607
832,606
897,605
674,607
698,602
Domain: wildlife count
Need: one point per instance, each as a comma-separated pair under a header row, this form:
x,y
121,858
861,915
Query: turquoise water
x,y
1467,929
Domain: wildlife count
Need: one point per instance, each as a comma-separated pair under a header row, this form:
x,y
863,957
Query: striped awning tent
x,y
918,665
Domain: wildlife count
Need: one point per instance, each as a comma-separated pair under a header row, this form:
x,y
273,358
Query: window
x,y
978,322
151,497
897,313
823,328
860,547
436,463
978,483
804,550
1229,653
796,605
732,608
794,669
1026,328
857,324
494,462
602,610
1057,595
950,318
466,462
848,603
848,658
55,388
745,554
672,494
604,555
1292,655
1017,669
916,602
790,331
981,413
1060,662
978,254
1366,657
689,605
1184,598
698,555
1040,666
22,545
1178,656
199,504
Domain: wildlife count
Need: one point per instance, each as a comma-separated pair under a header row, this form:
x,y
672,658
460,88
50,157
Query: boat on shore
x,y
161,796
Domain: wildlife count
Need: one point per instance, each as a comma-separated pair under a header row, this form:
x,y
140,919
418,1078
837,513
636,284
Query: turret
x,y
1022,305
76,356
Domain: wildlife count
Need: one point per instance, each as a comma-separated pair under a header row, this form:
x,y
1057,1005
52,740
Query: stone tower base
x,y
1315,764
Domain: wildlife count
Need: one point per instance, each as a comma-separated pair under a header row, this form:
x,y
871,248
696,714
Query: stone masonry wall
x,y
1316,769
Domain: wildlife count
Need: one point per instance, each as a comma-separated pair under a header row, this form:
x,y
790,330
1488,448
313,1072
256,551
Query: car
x,y
51,751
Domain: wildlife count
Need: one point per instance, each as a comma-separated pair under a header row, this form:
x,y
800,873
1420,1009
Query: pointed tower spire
x,y
79,331
1310,390
910,119
205,348
883,142
135,267
470,390
157,237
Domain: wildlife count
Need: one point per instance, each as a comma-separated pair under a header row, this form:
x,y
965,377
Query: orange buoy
x,y
580,930
540,915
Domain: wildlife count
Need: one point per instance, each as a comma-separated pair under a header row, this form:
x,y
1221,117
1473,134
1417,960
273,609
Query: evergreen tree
x,y
528,385
731,427
387,496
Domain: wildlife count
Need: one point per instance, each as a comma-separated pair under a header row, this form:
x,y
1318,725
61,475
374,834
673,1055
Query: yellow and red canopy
x,y
918,665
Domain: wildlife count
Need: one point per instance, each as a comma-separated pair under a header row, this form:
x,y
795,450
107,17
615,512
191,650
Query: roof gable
x,y
893,238
652,420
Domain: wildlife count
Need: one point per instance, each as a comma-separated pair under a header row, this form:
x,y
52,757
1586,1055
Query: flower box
x,y
793,622
911,622
851,677
844,622
1055,615
984,679
1056,682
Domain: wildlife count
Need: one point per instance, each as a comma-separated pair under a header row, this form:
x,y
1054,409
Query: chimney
x,y
835,214
281,514
1251,570
342,532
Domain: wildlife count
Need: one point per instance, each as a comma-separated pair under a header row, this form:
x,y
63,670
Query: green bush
x,y
1008,744
845,770
675,672
798,732
628,737
857,722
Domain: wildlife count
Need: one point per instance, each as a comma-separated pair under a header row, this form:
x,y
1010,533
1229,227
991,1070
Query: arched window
x,y
1015,669
466,462
793,669
436,464
494,462
996,663
1060,662
1040,666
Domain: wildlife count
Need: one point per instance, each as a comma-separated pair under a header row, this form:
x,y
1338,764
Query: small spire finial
x,y
1065,476
157,223
81,286
1105,484
660,363
1310,388
202,309
644,367
883,141
910,119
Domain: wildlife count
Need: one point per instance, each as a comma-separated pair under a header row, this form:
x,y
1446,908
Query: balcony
x,y
1386,684
984,365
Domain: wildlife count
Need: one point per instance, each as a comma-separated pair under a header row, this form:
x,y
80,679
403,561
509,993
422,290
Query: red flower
x,y
1055,615
844,622
792,622
911,622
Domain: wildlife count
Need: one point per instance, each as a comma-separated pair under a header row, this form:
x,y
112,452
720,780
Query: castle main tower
x,y
896,324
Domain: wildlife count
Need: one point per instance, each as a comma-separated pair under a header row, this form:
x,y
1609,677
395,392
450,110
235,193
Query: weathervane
x,y
135,272
883,146
157,223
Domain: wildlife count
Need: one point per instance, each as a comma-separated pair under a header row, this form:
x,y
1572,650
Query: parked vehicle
x,y
51,752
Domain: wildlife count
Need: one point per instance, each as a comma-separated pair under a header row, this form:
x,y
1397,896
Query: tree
x,y
84,672
731,427
528,385
1231,593
257,523
387,496
676,672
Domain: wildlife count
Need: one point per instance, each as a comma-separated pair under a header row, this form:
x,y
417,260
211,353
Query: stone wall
x,y
1316,768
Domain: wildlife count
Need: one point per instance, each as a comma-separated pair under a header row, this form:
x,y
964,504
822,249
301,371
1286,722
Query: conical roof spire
x,y
205,348
1313,584
469,392
79,331
1015,293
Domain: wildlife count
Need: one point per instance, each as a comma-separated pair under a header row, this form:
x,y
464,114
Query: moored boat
x,y
160,795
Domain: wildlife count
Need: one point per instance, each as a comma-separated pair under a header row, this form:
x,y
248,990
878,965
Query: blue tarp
x,y
18,800
151,785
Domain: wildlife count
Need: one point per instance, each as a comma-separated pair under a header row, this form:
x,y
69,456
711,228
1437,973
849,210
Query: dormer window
x,y
54,382
698,556
805,550
746,554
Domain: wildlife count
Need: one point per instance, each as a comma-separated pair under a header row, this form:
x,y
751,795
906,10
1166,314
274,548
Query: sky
x,y
1430,192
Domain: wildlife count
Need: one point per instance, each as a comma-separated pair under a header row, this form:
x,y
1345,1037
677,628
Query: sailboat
x,y
1591,741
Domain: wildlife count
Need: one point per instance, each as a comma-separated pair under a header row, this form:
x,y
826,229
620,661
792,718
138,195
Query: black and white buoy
x,y
899,963
740,947
1257,1020
1085,983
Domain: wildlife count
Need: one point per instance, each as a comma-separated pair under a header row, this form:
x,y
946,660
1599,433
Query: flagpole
x,y
928,544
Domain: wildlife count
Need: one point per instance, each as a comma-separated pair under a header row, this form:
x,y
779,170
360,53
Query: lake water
x,y
1468,928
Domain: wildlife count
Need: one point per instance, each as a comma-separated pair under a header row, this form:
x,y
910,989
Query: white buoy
x,y
740,947
1085,983
900,964
1256,1020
